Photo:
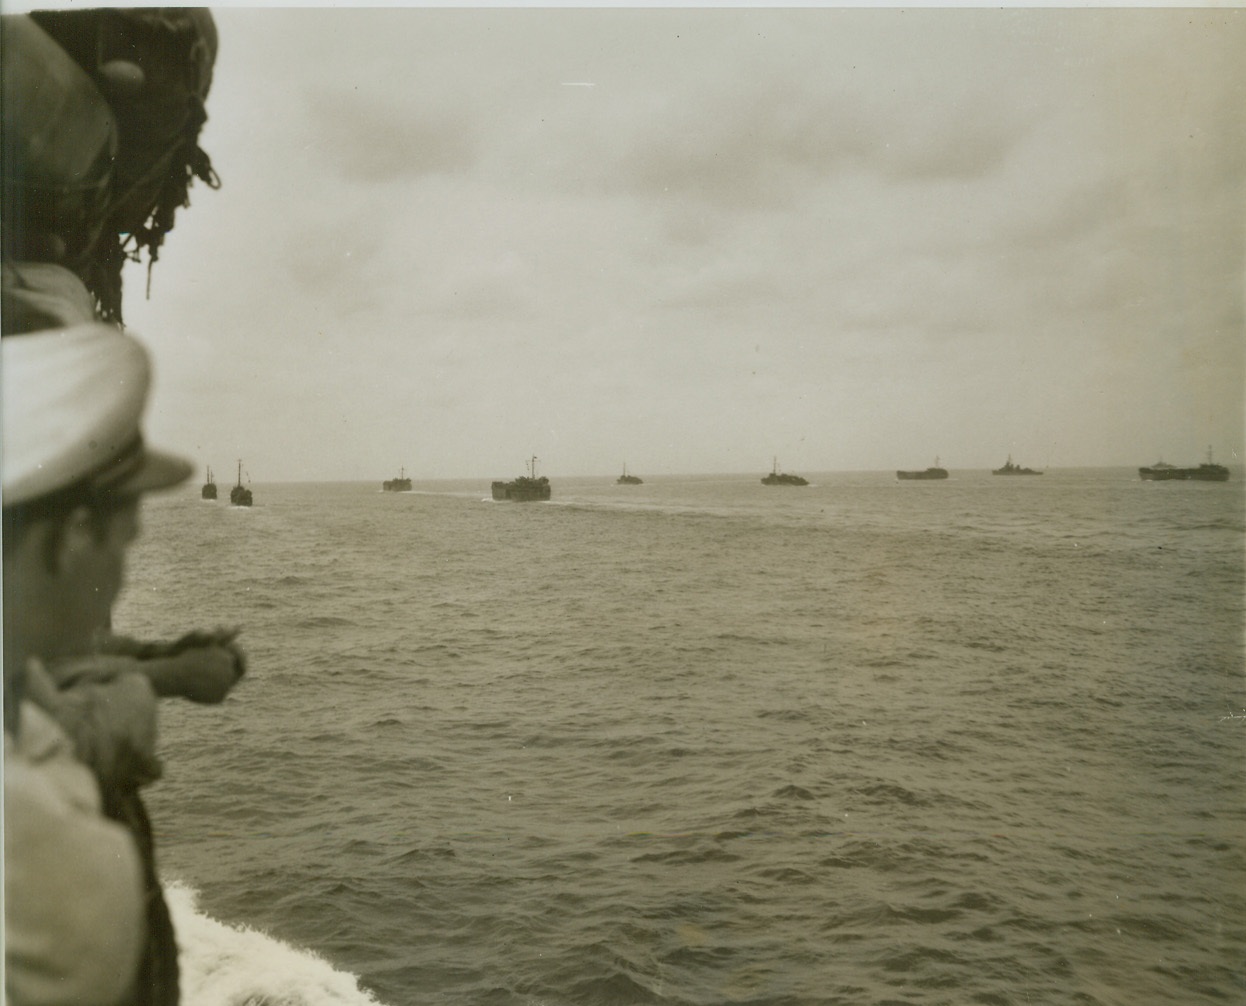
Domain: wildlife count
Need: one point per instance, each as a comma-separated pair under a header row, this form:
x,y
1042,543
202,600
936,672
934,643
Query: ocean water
x,y
706,742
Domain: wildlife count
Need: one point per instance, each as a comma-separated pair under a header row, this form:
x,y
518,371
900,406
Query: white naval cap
x,y
73,398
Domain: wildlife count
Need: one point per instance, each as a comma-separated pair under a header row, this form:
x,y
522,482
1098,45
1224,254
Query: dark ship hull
x,y
208,492
1166,473
1011,469
523,490
240,495
929,473
629,480
778,478
396,485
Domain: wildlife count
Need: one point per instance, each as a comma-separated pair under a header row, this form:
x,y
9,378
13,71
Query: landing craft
x,y
240,495
930,473
1161,471
525,489
777,478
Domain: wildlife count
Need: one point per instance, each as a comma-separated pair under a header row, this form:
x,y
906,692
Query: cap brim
x,y
157,471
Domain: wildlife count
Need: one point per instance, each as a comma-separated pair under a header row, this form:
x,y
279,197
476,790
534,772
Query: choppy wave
x,y
223,965
710,744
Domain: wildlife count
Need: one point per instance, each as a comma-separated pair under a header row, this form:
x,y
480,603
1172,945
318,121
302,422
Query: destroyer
x,y
1011,469
525,489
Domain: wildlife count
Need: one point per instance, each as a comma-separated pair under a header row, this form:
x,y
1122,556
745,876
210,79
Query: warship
x,y
1208,471
240,495
628,480
525,489
1011,469
777,478
930,473
401,484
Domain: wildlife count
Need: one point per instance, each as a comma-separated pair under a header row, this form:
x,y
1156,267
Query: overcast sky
x,y
692,240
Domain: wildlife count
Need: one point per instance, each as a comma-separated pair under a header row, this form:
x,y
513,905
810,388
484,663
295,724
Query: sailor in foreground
x,y
74,470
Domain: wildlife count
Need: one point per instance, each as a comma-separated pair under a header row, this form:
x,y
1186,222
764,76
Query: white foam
x,y
224,965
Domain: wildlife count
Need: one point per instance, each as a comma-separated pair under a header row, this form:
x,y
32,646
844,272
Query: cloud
x,y
368,139
743,140
940,229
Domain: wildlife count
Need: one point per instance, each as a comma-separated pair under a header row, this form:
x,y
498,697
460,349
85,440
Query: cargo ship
x,y
208,492
525,489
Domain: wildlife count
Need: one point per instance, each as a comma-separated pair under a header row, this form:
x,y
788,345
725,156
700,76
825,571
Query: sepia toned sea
x,y
702,742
